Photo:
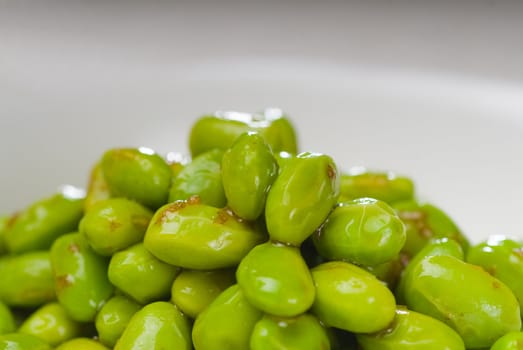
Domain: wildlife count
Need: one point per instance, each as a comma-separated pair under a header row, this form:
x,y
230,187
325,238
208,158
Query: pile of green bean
x,y
250,244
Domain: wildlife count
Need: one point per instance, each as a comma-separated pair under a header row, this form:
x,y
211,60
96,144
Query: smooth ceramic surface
x,y
71,89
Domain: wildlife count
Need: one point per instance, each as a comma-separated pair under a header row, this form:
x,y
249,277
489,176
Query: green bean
x,y
26,279
4,220
364,231
425,222
412,330
81,344
80,277
223,128
202,177
19,341
177,161
301,197
114,224
159,325
350,298
7,320
249,169
113,318
138,174
193,290
192,235
443,246
52,324
283,158
303,332
248,244
140,275
36,227
476,305
388,272
97,187
509,341
502,257
359,182
275,279
227,323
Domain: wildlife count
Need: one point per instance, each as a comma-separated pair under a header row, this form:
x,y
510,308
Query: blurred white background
x,y
430,89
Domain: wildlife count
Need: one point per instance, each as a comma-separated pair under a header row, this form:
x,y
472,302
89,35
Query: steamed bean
x,y
7,320
227,323
249,169
139,274
26,279
476,305
502,258
114,224
97,187
36,227
425,222
20,341
412,330
197,236
52,324
202,177
303,332
80,277
223,128
244,243
138,174
81,344
350,298
4,220
364,231
159,325
275,279
301,197
509,341
359,182
193,290
113,318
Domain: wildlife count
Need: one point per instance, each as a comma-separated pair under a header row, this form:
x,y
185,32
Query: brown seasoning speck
x,y
331,172
222,216
74,248
62,282
172,208
114,225
518,252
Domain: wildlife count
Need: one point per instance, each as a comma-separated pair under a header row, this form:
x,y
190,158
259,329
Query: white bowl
x,y
460,137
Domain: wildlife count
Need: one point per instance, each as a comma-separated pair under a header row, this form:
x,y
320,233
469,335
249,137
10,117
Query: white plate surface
x,y
459,136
